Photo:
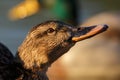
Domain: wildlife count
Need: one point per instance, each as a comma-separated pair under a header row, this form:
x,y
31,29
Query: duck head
x,y
47,41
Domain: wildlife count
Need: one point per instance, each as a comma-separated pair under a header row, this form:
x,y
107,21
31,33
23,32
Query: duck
x,y
43,45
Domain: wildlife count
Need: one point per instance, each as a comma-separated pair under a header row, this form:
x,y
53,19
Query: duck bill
x,y
87,32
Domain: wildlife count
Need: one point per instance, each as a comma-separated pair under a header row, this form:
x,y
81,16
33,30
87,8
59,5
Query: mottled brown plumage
x,y
44,44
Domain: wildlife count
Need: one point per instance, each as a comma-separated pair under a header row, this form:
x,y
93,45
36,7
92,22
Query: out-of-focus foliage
x,y
24,9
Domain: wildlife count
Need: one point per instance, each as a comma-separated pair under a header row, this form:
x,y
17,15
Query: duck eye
x,y
50,30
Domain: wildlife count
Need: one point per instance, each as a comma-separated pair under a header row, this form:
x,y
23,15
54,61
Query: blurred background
x,y
97,58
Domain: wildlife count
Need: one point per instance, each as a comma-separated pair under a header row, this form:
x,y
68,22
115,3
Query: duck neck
x,y
35,75
31,73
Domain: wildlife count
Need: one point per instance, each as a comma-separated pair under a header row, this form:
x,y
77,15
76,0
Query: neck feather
x,y
31,73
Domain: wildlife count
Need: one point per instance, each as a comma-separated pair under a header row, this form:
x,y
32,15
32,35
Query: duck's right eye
x,y
50,30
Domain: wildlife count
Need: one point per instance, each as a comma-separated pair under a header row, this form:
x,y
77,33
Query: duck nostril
x,y
78,29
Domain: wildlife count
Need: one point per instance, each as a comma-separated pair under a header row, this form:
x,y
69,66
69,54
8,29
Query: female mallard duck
x,y
44,44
